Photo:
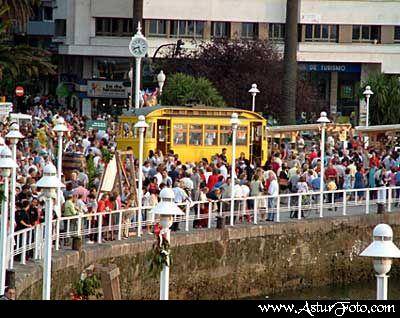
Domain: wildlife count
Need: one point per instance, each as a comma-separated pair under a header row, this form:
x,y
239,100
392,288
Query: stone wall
x,y
232,263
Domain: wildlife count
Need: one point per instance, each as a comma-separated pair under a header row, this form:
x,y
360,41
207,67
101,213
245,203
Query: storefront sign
x,y
310,18
96,124
106,89
330,67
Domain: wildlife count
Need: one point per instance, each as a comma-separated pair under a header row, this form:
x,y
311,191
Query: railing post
x,y
367,195
389,209
299,207
37,242
57,245
278,207
100,225
119,236
344,202
79,227
210,204
321,202
187,213
23,254
255,210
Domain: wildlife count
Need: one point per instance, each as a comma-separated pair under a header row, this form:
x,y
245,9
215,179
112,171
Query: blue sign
x,y
330,67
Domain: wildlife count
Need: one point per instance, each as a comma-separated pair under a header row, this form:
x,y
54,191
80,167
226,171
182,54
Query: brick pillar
x,y
236,30
263,31
345,33
333,93
387,34
207,30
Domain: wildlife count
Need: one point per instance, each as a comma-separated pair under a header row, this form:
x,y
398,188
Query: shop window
x,y
241,139
60,27
321,33
211,135
249,31
157,28
185,28
180,134
366,33
220,30
277,31
196,135
397,34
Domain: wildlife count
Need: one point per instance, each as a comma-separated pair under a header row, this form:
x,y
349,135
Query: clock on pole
x,y
138,47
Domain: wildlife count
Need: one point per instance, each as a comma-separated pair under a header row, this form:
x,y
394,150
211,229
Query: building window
x,y
220,30
60,27
157,28
249,30
47,14
188,29
277,31
114,27
397,34
180,134
321,33
366,33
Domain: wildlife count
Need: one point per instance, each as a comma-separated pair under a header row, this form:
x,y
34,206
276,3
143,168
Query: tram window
x,y
196,135
180,134
225,135
211,135
241,139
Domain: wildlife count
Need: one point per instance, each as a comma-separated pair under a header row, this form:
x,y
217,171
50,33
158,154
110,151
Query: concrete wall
x,y
232,263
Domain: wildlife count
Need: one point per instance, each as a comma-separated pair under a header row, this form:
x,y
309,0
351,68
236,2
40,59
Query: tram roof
x,y
145,111
378,128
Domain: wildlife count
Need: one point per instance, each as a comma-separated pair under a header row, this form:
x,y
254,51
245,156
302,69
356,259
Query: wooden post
x,y
109,276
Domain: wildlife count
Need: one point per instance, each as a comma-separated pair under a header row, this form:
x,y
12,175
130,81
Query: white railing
x,y
121,224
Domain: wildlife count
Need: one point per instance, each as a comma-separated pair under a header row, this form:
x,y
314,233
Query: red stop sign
x,y
19,91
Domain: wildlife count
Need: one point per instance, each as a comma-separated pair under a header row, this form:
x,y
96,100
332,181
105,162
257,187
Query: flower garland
x,y
160,255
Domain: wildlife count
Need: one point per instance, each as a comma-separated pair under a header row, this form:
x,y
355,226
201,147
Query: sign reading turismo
x,y
330,67
106,89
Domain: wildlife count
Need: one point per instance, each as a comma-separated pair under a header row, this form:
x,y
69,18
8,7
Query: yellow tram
x,y
194,132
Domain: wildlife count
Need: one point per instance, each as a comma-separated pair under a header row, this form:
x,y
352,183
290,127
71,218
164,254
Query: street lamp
x,y
235,124
49,183
161,80
14,136
60,128
6,165
382,249
166,209
141,126
254,91
323,120
367,93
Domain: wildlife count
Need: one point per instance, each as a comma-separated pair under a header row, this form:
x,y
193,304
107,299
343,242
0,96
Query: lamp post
x,y
49,183
367,93
323,120
166,209
132,87
161,80
141,126
14,136
254,91
382,249
235,124
6,165
60,128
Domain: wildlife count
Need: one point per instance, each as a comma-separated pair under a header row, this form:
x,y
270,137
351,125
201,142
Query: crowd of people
x,y
290,168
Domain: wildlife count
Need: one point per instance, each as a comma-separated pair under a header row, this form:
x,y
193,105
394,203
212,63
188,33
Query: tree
x,y
384,103
181,89
19,10
19,62
233,65
288,115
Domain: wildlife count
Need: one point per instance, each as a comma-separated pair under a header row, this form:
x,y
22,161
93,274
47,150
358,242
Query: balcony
x,y
44,28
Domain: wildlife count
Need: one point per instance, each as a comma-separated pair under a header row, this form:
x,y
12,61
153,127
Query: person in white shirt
x,y
273,192
223,171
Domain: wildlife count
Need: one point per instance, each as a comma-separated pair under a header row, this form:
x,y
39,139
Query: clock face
x,y
138,47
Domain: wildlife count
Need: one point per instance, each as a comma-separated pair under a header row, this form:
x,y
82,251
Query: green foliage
x,y
106,154
88,286
181,89
158,257
384,104
91,170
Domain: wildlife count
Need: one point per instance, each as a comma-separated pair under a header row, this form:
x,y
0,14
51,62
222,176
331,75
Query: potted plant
x,y
88,285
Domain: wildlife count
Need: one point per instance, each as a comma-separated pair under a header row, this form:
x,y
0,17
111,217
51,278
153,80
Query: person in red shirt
x,y
331,173
312,155
213,179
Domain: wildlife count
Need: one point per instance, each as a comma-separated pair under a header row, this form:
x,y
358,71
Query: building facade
x,y
340,41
